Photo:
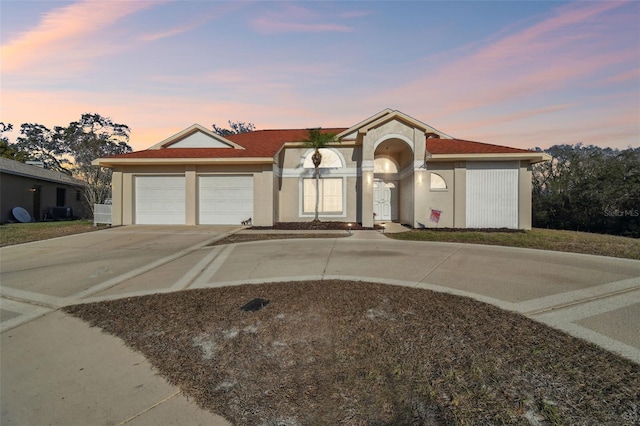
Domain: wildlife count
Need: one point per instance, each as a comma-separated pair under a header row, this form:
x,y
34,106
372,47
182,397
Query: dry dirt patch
x,y
342,352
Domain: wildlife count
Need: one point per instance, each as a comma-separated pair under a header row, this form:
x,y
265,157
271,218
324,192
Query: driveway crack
x,y
439,263
326,265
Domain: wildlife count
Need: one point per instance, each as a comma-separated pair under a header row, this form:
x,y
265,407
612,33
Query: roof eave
x,y
74,182
111,162
532,157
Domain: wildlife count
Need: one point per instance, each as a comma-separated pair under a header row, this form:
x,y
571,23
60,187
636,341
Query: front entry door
x,y
381,200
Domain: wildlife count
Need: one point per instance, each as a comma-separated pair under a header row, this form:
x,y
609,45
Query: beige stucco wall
x,y
407,200
460,195
524,196
437,199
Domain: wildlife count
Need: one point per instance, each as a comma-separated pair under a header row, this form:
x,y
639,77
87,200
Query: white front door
x,y
381,200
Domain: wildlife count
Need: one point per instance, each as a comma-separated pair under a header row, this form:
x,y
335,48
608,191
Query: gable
x,y
196,136
199,140
387,116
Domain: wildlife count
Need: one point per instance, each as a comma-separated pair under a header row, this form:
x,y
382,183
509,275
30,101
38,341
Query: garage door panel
x,y
492,195
160,200
225,200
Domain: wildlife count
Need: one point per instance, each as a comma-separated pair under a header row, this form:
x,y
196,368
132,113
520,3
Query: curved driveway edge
x,y
57,362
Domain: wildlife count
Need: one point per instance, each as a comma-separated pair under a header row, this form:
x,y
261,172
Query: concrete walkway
x,y
56,370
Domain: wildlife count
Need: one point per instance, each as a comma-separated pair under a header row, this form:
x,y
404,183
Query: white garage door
x,y
160,200
492,194
225,199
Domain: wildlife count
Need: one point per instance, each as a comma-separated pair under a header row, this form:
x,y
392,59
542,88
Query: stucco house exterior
x,y
388,167
45,194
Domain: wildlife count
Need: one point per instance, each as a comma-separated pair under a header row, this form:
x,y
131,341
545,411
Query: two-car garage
x,y
221,199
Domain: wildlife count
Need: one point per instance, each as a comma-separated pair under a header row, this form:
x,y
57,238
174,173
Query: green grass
x,y
544,239
19,233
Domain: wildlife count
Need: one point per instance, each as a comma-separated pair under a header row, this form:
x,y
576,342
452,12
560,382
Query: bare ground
x,y
342,352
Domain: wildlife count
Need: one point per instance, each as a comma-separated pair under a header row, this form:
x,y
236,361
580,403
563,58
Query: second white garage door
x,y
225,200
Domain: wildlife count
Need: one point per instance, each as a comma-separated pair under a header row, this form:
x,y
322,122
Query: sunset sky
x,y
518,73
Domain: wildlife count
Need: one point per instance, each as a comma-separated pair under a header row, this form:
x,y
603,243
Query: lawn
x,y
343,352
19,233
544,239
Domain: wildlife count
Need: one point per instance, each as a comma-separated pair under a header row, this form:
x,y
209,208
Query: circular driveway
x,y
592,297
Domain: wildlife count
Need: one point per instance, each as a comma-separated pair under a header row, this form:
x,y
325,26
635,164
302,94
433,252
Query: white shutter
x,y
492,194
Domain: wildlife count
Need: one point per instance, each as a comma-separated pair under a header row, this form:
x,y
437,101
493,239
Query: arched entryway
x,y
393,166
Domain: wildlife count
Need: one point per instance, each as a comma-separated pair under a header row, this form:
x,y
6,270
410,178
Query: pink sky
x,y
523,74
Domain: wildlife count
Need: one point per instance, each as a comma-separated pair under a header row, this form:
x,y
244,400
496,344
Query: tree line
x,y
71,149
588,188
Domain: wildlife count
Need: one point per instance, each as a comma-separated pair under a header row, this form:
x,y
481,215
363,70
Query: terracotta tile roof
x,y
265,143
459,146
260,143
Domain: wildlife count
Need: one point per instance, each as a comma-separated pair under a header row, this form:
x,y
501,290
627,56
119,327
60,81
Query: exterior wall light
x,y
32,189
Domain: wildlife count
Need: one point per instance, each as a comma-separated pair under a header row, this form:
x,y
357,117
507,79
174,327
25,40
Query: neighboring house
x,y
389,167
45,194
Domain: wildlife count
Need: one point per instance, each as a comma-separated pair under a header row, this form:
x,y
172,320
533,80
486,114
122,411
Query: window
x,y
384,165
330,195
330,159
437,183
61,197
78,196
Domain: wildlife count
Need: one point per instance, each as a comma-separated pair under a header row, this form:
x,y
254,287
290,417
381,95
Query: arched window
x,y
437,182
330,159
384,165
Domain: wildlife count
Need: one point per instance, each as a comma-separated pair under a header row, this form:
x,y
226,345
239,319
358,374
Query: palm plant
x,y
316,140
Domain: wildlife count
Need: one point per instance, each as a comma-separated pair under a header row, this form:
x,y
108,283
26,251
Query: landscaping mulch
x,y
343,352
315,226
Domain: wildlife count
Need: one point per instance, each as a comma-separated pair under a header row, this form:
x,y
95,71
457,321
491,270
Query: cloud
x,y
294,18
566,47
564,59
508,118
631,75
63,28
220,10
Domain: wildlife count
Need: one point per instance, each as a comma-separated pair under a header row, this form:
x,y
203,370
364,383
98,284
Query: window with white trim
x,y
330,159
437,183
330,195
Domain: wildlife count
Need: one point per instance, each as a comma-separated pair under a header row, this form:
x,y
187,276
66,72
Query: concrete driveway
x,y
56,370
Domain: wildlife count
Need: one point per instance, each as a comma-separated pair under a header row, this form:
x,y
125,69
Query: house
x,y
389,167
44,194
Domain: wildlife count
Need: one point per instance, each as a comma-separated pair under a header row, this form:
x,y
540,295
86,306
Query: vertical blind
x,y
330,195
